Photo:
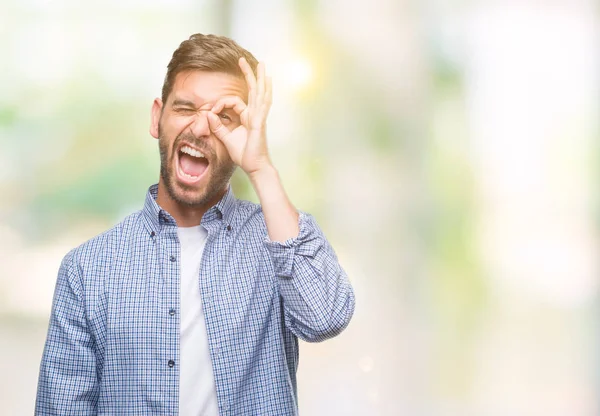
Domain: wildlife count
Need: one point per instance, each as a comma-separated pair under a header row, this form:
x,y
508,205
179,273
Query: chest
x,y
143,292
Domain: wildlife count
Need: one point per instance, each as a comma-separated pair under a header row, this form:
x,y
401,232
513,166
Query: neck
x,y
184,215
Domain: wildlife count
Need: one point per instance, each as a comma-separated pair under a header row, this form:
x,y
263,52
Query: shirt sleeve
x,y
318,300
67,382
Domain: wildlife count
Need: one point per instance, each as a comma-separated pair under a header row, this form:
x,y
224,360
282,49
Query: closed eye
x,y
184,110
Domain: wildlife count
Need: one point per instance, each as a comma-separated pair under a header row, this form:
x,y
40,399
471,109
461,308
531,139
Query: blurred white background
x,y
448,149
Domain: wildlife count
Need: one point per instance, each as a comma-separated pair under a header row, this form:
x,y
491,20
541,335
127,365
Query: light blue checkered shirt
x,y
113,340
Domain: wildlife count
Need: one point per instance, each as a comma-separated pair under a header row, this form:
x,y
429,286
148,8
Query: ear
x,y
157,106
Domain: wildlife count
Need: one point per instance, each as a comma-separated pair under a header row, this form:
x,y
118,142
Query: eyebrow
x,y
183,103
179,102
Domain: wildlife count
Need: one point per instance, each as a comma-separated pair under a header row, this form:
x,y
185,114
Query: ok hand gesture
x,y
247,143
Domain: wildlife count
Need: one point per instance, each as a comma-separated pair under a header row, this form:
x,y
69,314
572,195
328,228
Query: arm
x,y
68,382
318,300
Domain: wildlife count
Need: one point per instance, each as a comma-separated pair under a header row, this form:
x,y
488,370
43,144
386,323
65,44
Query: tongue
x,y
191,165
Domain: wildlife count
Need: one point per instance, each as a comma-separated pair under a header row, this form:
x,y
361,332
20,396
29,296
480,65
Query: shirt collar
x,y
152,212
224,209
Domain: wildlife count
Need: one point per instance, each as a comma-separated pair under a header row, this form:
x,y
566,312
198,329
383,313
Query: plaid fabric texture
x,y
113,340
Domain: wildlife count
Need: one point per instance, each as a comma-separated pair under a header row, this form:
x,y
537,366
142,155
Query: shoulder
x,y
102,246
249,215
250,218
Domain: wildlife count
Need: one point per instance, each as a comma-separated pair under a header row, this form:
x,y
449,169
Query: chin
x,y
198,195
183,194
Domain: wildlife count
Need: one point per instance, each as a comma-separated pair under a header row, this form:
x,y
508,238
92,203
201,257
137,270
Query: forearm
x,y
317,296
318,299
280,215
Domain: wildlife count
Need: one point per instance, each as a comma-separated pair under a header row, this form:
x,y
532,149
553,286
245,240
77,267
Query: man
x,y
194,304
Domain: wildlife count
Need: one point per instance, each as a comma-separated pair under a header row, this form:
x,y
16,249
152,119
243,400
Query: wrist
x,y
264,175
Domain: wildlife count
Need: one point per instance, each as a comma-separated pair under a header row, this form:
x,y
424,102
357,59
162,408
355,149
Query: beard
x,y
219,171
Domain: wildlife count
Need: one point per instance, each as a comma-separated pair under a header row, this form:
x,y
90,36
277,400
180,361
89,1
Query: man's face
x,y
195,166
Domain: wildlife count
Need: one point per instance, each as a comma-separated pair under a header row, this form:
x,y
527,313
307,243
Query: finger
x,y
233,101
260,82
218,129
244,117
250,80
261,115
269,92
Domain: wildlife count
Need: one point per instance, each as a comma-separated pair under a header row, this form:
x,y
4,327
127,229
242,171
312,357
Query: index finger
x,y
230,101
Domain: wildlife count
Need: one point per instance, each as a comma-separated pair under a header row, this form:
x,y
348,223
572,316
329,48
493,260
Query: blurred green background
x,y
448,149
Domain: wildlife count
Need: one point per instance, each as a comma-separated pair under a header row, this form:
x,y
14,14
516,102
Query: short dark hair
x,y
206,53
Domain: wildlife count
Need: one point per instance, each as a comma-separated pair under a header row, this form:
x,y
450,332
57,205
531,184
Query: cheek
x,y
165,141
168,132
173,126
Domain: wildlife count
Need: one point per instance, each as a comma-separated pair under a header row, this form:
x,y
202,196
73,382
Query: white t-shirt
x,y
197,392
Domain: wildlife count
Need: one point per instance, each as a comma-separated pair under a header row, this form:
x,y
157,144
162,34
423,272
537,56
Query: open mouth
x,y
191,164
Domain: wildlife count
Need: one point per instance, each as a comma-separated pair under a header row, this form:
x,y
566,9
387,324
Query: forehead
x,y
203,86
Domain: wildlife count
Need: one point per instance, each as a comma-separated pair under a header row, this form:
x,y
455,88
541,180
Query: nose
x,y
199,125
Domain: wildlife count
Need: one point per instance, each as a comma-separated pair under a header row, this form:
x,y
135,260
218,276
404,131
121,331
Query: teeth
x,y
191,152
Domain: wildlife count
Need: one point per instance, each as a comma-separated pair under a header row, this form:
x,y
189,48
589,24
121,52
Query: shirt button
x,y
171,312
171,363
229,228
172,258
